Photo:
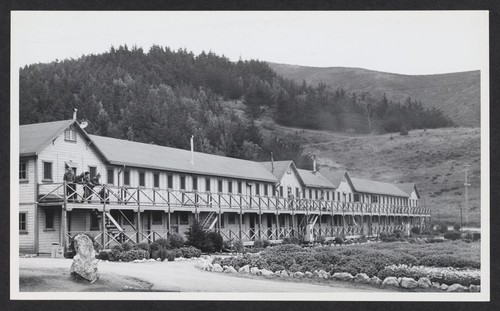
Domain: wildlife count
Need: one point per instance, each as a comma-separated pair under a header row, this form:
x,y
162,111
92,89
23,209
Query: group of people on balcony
x,y
83,179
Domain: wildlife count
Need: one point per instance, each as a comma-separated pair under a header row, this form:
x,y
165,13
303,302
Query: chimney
x,y
192,150
272,163
74,114
314,164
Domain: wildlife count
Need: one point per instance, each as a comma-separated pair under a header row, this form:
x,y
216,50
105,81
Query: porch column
x,y
64,215
139,225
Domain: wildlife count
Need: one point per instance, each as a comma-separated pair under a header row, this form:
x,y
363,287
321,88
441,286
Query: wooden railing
x,y
50,192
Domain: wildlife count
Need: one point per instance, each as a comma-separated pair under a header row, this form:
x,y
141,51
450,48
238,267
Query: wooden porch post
x,y
220,215
240,218
63,219
169,225
103,222
139,227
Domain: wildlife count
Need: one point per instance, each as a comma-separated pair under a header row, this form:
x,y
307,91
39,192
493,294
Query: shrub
x,y
127,246
398,234
227,245
169,255
216,240
143,245
456,227
291,240
447,260
190,252
476,236
453,235
116,251
435,240
338,240
176,240
198,238
427,232
443,228
266,243
163,243
134,254
415,230
258,244
287,248
320,239
105,255
238,246
403,131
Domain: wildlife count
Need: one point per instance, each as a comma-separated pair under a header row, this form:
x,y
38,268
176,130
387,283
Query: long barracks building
x,y
150,191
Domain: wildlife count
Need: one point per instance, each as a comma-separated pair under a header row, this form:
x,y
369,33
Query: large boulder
x,y
443,287
244,269
217,268
436,285
308,274
323,274
474,288
424,282
230,269
298,275
361,278
266,272
456,288
284,274
342,276
84,263
254,270
374,280
408,283
390,282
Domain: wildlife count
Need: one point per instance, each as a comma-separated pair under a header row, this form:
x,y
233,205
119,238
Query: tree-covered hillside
x,y
164,97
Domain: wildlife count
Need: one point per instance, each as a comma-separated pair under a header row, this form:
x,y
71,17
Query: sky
x,y
403,42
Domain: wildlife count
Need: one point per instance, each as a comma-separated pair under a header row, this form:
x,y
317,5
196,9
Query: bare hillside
x,y
457,94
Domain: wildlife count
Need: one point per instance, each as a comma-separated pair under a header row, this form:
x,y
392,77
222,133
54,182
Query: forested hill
x,y
163,97
457,94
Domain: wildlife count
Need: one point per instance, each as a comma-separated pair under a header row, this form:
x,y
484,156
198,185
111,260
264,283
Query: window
x,y
297,193
157,217
184,218
323,219
170,182
195,183
316,194
239,187
70,134
207,184
111,176
281,191
126,178
142,179
183,182
257,188
310,194
266,190
22,221
231,218
92,171
374,199
356,197
156,180
350,198
304,193
94,220
23,171
328,195
230,186
219,185
49,219
47,171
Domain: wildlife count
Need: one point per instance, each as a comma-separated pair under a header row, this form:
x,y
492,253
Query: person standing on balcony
x,y
94,181
290,198
87,186
69,178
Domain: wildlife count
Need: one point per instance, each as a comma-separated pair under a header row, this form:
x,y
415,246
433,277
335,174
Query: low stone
x,y
224,267
210,267
436,285
151,260
474,288
284,274
408,283
244,269
84,262
254,270
443,287
217,268
399,280
374,280
298,275
390,281
230,269
361,278
456,288
277,273
342,276
323,274
424,282
315,274
266,272
308,274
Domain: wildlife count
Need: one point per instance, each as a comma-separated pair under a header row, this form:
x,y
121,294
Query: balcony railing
x,y
125,195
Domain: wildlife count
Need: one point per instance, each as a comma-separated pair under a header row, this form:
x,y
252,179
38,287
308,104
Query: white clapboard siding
x,y
27,187
47,236
27,238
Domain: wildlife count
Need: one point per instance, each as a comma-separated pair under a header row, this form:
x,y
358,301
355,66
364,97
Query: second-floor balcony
x,y
84,196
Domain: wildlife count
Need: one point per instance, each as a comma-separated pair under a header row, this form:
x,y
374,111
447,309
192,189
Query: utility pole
x,y
466,184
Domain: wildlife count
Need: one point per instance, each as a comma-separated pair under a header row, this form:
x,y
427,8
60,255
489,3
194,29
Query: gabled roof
x,y
33,138
135,154
376,187
314,179
408,188
333,175
280,167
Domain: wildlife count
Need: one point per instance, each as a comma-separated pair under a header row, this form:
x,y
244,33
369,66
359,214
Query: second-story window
x,y
70,134
266,189
142,179
183,182
257,188
239,187
230,186
156,180
23,171
92,171
310,194
374,199
170,182
297,193
356,197
281,191
111,176
207,184
195,183
219,184
126,178
47,171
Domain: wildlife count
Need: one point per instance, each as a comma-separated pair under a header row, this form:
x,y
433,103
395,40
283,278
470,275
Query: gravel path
x,y
177,276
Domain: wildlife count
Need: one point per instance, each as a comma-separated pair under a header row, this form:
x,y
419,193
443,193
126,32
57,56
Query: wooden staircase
x,y
114,229
210,221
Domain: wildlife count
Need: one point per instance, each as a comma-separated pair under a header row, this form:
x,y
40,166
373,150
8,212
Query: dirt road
x,y
46,274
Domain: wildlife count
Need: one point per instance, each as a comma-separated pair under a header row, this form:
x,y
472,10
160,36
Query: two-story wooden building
x,y
148,191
